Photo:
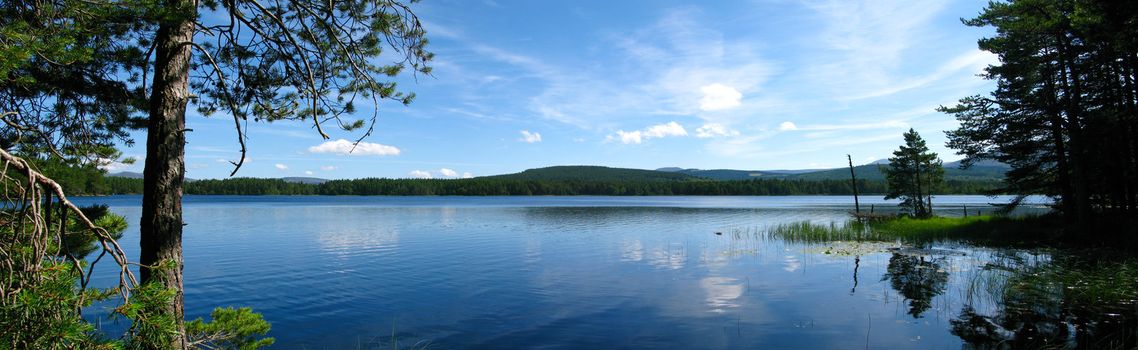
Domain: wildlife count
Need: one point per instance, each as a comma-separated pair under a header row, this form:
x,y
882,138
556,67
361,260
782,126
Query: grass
x,y
993,230
806,231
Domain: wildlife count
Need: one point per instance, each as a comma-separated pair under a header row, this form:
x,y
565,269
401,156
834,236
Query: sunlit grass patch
x,y
989,229
806,231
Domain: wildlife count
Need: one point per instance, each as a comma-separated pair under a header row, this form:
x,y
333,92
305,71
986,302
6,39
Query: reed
x,y
996,230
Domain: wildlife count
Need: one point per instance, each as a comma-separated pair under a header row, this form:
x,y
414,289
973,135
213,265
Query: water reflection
x,y
791,263
1045,303
632,251
917,279
355,241
722,292
672,256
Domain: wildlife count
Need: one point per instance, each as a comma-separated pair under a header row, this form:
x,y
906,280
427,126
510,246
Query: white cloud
x,y
629,137
448,172
787,126
664,130
420,174
718,97
280,166
343,146
530,137
111,165
655,131
467,175
328,168
308,172
714,130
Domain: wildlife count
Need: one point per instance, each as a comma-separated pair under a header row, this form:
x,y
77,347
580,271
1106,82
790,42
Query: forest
x,y
490,186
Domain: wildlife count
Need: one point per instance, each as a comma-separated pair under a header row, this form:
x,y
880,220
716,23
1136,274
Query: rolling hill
x,y
726,174
980,171
596,173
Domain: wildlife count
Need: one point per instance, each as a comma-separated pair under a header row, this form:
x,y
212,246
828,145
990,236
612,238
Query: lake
x,y
565,272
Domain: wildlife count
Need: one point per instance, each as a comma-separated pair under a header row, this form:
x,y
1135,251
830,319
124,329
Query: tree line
x,y
524,187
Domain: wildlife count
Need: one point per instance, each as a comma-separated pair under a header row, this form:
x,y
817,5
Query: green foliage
x,y
80,178
150,327
993,173
56,63
1063,111
44,313
806,231
237,329
913,175
496,186
987,230
122,185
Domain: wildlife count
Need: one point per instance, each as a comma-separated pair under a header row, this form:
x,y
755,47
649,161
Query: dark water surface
x,y
561,272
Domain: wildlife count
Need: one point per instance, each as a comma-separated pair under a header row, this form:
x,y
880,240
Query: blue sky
x,y
642,84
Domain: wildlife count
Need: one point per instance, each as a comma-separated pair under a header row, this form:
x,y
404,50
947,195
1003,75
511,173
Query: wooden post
x,y
853,181
966,210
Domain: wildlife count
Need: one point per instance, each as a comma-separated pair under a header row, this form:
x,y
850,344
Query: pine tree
x,y
1065,110
75,76
912,175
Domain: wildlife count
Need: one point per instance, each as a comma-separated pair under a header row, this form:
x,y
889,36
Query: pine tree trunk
x,y
161,224
920,208
1072,94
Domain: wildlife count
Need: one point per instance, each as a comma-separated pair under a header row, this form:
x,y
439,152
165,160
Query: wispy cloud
x,y
888,124
420,174
675,67
710,130
871,45
280,166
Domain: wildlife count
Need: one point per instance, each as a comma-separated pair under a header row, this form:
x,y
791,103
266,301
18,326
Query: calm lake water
x,y
561,272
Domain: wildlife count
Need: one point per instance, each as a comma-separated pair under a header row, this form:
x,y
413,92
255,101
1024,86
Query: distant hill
x,y
127,174
952,171
595,173
985,170
305,180
724,174
299,179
